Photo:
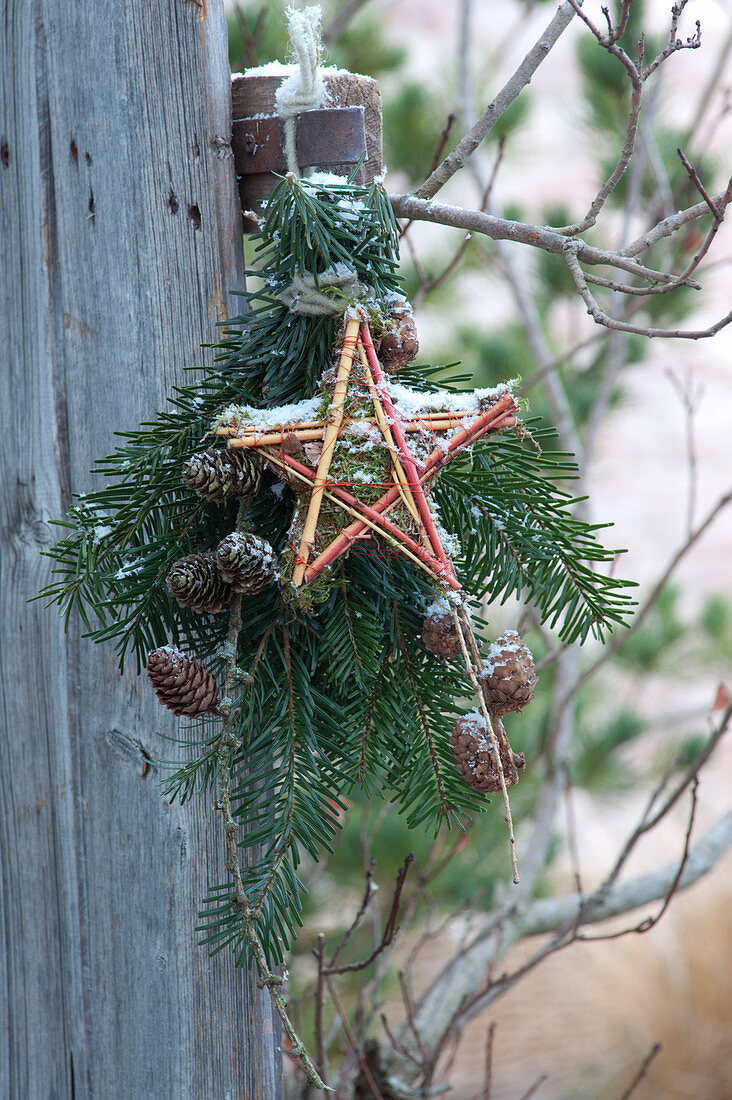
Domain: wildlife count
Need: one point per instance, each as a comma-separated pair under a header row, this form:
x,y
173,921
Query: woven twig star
x,y
441,434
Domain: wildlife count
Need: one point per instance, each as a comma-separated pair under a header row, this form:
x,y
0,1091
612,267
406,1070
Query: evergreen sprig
x,y
521,535
343,694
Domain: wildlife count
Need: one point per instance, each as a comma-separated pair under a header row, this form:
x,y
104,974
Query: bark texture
x,y
120,229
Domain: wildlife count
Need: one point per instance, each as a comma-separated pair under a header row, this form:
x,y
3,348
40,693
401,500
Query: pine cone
x,y
181,683
474,755
245,562
508,674
219,476
399,345
195,582
439,632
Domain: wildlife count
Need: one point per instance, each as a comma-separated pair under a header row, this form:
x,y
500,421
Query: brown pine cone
x,y
219,476
195,582
508,674
181,683
439,633
474,755
399,344
246,562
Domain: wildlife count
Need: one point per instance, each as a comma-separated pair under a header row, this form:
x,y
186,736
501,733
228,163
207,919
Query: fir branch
x,y
338,694
518,533
370,713
444,806
228,744
267,356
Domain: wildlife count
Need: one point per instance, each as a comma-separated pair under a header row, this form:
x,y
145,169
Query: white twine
x,y
304,90
336,287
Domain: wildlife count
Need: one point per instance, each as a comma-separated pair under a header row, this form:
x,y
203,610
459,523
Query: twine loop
x,y
335,290
304,90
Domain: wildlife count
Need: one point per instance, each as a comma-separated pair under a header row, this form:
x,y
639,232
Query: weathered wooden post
x,y
121,238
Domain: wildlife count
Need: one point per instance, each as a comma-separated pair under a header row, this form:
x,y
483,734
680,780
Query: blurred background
x,y
654,418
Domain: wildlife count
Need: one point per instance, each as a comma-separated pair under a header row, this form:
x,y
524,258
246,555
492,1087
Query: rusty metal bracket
x,y
327,137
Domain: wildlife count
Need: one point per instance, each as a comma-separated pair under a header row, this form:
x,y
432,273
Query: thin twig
x,y
613,646
650,922
390,928
650,820
462,152
357,919
354,1044
694,176
227,744
319,1005
533,1089
601,318
645,1065
464,630
609,41
486,1093
399,1047
411,1020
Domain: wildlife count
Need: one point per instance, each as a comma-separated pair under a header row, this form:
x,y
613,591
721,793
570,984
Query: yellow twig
x,y
331,435
469,665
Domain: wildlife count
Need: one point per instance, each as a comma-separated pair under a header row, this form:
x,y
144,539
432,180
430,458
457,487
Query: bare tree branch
x,y
336,25
601,318
537,236
669,226
562,916
462,152
613,646
549,914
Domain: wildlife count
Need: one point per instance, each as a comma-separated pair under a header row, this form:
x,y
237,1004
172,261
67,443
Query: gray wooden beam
x,y
120,232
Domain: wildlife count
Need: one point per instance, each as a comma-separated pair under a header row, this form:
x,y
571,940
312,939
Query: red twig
x,y
501,415
390,928
410,468
377,519
329,967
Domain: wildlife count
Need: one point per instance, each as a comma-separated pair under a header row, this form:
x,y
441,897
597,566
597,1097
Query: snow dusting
x,y
413,402
509,642
284,416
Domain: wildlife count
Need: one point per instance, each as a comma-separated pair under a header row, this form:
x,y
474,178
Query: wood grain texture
x,y
120,237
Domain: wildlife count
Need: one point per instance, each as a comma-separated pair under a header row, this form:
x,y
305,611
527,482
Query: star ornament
x,y
362,458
